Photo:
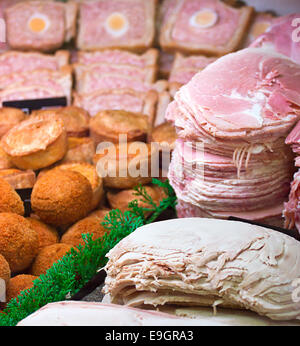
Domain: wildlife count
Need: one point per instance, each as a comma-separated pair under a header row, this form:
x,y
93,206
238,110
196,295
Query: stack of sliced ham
x,y
115,79
26,75
232,120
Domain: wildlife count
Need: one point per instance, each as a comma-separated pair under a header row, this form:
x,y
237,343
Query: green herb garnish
x,y
68,275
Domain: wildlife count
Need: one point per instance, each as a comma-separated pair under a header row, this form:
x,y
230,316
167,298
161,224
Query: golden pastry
x,y
37,142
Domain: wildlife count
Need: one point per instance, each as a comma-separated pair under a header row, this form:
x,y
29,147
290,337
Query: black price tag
x,y
27,106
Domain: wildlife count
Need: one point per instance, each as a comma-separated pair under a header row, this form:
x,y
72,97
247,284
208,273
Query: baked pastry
x,y
57,205
165,136
47,257
144,74
80,149
204,27
118,99
10,201
121,199
9,117
5,162
260,24
47,235
18,179
17,284
36,142
40,25
76,120
18,241
108,126
164,99
125,165
206,262
59,82
91,225
119,28
113,57
14,62
88,171
92,81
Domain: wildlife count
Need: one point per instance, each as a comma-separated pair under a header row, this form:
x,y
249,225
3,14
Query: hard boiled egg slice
x,y
203,19
38,23
116,24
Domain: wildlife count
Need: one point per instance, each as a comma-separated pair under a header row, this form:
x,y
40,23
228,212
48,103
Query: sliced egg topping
x,y
38,23
116,24
203,19
259,28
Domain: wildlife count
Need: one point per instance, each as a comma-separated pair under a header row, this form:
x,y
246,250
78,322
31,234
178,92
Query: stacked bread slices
x,y
237,113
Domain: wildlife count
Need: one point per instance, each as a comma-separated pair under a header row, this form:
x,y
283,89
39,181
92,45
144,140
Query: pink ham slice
x,y
291,208
237,96
270,216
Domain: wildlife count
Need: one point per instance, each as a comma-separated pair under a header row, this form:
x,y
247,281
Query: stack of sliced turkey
x,y
232,119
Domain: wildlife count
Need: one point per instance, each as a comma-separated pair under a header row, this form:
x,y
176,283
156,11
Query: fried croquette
x,y
61,197
4,270
47,234
100,213
19,243
88,171
91,225
121,199
18,284
48,256
37,142
10,201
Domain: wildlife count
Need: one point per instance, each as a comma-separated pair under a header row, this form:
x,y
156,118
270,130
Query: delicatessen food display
x,y
149,163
